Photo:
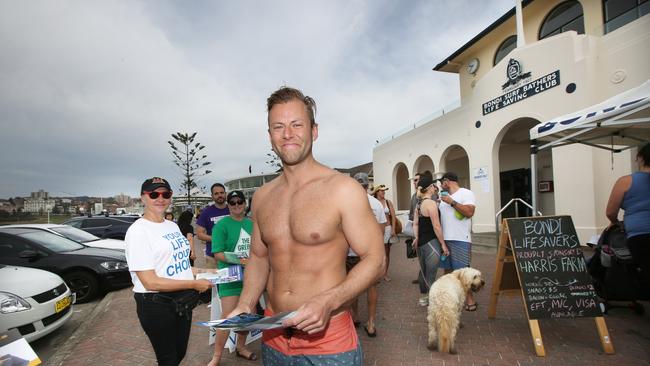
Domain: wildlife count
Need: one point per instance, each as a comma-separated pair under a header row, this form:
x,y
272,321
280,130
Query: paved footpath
x,y
113,335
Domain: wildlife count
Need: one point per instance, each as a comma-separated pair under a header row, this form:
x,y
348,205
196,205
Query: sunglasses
x,y
236,202
153,195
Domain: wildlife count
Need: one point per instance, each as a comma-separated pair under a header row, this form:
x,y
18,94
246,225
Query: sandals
x,y
251,356
471,307
371,335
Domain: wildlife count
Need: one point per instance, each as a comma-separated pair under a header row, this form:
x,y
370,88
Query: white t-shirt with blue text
x,y
160,247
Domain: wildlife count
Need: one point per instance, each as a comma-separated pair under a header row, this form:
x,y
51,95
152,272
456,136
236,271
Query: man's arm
x,y
366,239
466,210
257,272
152,282
202,233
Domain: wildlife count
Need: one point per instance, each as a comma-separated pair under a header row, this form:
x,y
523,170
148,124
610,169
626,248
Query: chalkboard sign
x,y
551,268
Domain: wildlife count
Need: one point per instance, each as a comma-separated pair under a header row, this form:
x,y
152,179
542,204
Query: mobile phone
x,y
444,193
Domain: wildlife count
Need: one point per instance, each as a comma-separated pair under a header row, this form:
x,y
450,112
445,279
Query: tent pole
x,y
533,174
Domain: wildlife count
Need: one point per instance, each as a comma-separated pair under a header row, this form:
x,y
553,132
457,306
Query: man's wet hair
x,y
286,94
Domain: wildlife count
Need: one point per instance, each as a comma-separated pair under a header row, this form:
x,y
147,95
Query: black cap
x,y
154,183
233,194
425,181
450,176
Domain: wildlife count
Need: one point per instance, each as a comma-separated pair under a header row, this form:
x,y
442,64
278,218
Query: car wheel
x,y
82,283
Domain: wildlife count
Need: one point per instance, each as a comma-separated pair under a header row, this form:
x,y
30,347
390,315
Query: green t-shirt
x,y
230,235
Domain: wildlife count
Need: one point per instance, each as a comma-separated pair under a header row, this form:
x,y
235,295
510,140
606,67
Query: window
x,y
74,223
506,47
620,12
53,242
10,246
96,223
564,17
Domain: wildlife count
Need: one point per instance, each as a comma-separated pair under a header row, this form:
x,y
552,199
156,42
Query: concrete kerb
x,y
66,349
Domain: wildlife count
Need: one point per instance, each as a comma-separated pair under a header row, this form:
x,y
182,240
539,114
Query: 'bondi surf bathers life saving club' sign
x,y
514,91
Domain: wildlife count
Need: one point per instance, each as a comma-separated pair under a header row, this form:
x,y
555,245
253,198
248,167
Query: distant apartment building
x,y
41,194
122,199
38,204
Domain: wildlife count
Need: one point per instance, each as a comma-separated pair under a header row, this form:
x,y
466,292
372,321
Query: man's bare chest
x,y
302,218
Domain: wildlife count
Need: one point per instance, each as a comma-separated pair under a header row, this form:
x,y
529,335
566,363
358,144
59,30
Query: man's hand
x,y
238,310
447,199
312,317
445,250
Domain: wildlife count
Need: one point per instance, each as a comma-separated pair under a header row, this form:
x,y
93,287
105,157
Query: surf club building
x,y
549,64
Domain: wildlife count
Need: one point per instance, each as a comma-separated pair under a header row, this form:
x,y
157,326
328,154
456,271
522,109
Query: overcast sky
x,y
90,91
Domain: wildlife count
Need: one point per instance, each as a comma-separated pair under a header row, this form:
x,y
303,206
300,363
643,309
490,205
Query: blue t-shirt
x,y
210,216
636,203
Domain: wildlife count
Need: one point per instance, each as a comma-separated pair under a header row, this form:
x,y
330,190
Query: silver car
x,y
78,235
34,301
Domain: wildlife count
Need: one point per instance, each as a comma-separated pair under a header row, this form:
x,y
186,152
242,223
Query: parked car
x,y
105,227
33,301
86,270
79,235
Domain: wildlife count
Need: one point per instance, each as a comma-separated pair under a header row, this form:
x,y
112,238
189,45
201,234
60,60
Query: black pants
x,y
167,331
640,249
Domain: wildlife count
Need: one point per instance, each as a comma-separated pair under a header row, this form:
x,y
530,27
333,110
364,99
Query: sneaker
x,y
424,301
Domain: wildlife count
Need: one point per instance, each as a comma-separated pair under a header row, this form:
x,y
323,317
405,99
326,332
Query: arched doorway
x,y
422,163
455,159
512,147
402,186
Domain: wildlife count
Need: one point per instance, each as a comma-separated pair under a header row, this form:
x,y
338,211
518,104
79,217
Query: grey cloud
x,y
90,91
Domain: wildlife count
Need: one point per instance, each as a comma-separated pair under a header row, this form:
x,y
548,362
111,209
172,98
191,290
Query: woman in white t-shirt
x,y
158,256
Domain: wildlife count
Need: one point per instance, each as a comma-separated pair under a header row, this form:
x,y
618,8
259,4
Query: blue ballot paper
x,y
246,321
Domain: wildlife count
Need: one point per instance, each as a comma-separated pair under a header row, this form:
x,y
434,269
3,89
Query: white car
x,y
34,301
78,235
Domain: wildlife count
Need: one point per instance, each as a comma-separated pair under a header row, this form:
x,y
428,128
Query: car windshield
x,y
75,234
53,242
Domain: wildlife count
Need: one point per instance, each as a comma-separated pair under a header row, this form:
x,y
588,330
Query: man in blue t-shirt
x,y
210,216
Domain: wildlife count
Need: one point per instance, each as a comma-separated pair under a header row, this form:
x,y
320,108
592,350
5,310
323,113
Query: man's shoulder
x,y
267,187
339,180
214,211
464,192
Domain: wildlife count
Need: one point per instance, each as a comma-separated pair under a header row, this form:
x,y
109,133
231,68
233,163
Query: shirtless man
x,y
300,242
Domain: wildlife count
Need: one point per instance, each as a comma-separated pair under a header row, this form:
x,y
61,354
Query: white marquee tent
x,y
616,124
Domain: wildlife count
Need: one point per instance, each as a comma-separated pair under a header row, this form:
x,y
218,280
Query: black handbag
x,y
410,251
183,302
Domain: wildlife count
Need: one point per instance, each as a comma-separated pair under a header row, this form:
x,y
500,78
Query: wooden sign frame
x,y
505,283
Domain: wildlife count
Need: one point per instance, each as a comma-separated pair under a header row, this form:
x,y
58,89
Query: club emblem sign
x,y
513,90
514,73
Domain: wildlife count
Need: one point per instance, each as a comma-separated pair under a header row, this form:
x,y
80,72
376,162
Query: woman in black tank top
x,y
429,241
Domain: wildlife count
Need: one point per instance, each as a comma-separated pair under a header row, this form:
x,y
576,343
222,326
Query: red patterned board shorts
x,y
340,336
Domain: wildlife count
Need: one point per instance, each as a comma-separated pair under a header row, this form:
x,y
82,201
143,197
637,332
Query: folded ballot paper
x,y
224,275
249,322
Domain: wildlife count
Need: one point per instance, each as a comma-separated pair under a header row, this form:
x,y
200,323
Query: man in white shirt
x,y
457,206
353,259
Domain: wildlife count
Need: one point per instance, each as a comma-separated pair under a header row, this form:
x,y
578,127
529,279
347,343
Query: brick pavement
x,y
115,336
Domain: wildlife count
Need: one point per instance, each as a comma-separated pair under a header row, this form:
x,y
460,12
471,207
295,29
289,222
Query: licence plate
x,y
63,303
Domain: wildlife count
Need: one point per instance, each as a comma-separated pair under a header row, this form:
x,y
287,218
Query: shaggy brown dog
x,y
446,302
